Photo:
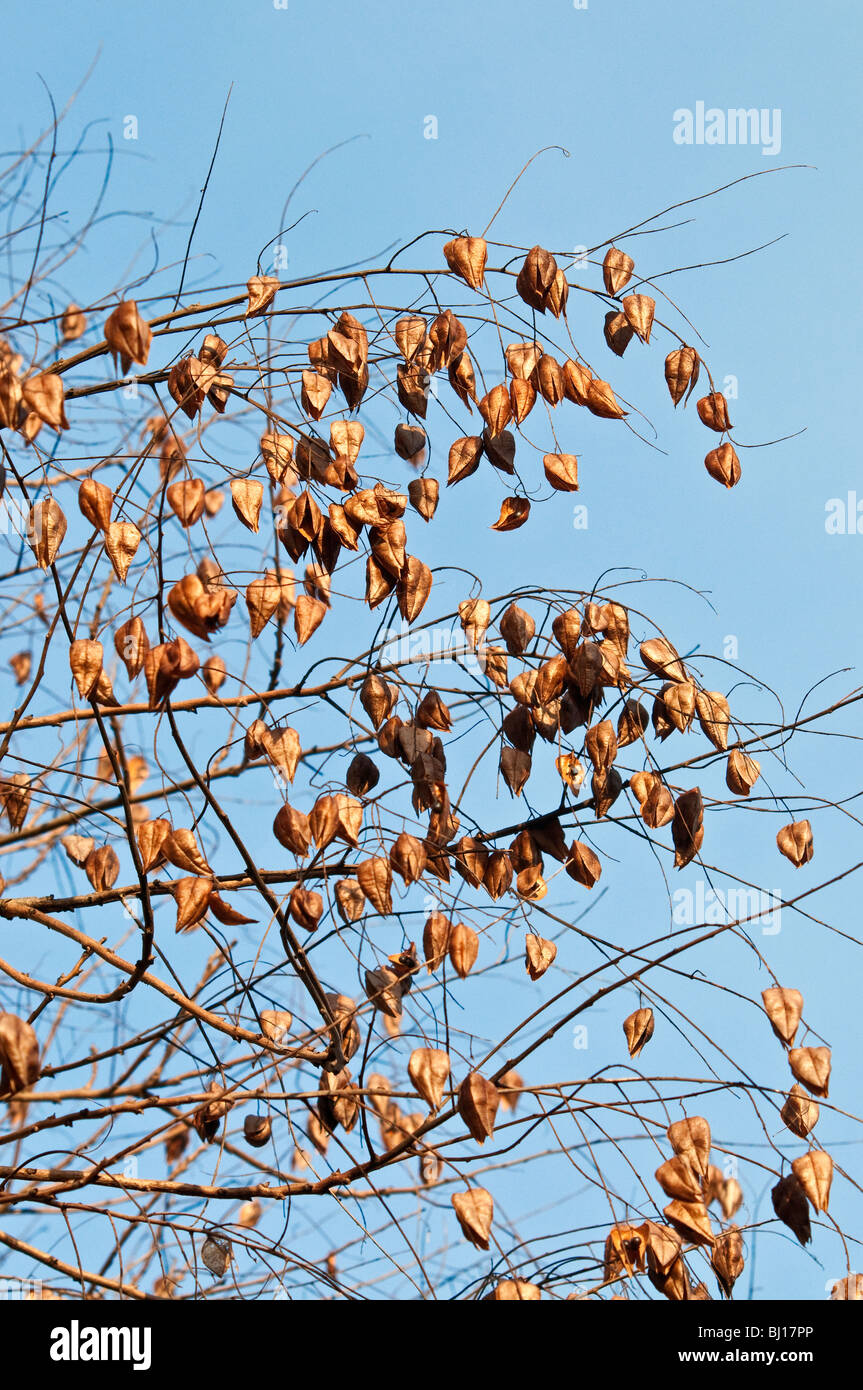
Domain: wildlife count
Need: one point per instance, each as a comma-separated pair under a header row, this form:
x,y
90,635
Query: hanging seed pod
x,y
639,310
447,340
180,848
186,500
102,868
19,1055
306,907
515,768
85,663
800,1113
131,645
436,938
795,842
463,949
497,876
677,1180
122,539
466,256
21,664
662,660
408,858
94,502
681,373
724,465
412,388
429,1069
514,512
638,1030
784,1008
46,527
247,495
601,401
687,827
423,494
43,396
713,412
726,1259
324,821
714,716
742,772
601,745
677,700
691,1220
151,836
462,379
375,877
618,332
539,955
583,865
536,278
522,396
691,1139
605,788
789,1203
471,857
571,770
549,381
847,1289
561,471
276,1024
362,775
478,1101
475,1212
410,335
309,613
128,335
282,747
293,830
15,795
531,885
262,291
617,270
811,1065
384,989
517,629
413,588
814,1172
632,723
185,385
73,323
496,408
257,1130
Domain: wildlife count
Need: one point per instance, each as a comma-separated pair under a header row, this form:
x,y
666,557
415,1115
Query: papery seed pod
x,y
790,1205
681,373
522,396
423,494
324,821
639,310
73,324
496,408
186,500
714,717
128,335
561,471
462,379
691,1139
539,955
413,588
638,1030
447,340
276,1024
536,278
412,388
94,502
466,256
436,937
277,451
77,847
691,1220
44,397
687,827
515,768
723,464
282,747
514,512
677,1180
800,1113
549,380
617,270
378,698
583,865
530,884
309,613
784,1008
216,1254
624,1251
795,842
713,412
471,857
515,1290
517,629
185,385
257,1130
180,848
742,772
522,359
292,829
85,663
475,1212
463,947
429,1069
46,527
384,989
632,723
15,797
601,401
660,657
247,495
122,539
814,1172
408,857
213,674
605,788
494,664
102,868
618,332
21,664
811,1065
478,1101
262,291
571,770
362,775
601,745
375,877
677,701
19,1055
306,907
132,645
726,1259
497,875
151,836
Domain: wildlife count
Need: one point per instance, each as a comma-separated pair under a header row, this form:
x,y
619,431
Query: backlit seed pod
x,y
602,402
558,295
496,408
570,770
617,270
724,465
497,876
681,373
601,745
790,1205
43,396
151,836
46,527
384,989
306,907
309,613
713,412
478,1101
742,772
583,865
362,775
605,788
466,256
378,698
576,382
475,1212
549,380
200,609
15,797
413,588
423,494
462,378
408,857
247,495
429,1069
638,1030
122,539
73,323
677,1180
324,821
530,884
795,842
471,857
687,827
463,947
21,664
19,1055
128,335
185,385
515,1290
514,512
85,663
714,717
515,768
691,1220
561,471
180,848
657,809
536,278
517,629
784,1008
567,630
131,645
847,1289
814,1172
436,935
282,747
276,1024
257,1130
277,451
800,1113
660,657
678,703
292,829
262,290
639,310
94,502
539,955
102,868
811,1065
726,1259
522,395
632,723
412,388
375,877
350,899
186,500
691,1139
447,340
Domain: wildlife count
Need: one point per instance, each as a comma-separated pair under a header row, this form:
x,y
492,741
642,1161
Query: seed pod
x,y
277,451
691,1220
306,907
639,310
15,796
849,1288
539,955
77,847
21,664
713,412
282,747
43,396
19,1055
46,527
102,867
475,1212
275,1024
463,946
384,989
408,857
687,827
262,291
681,373
151,836
691,1139
413,588
85,663
412,388
660,657
292,829
517,629
811,1065
180,848
742,772
789,1203
800,1113
677,1180
638,1030
186,500
257,1130
617,270
726,1259
185,385
515,768
784,1008
677,700
94,502
618,332
128,335
436,936
814,1172
375,877
429,1069
601,745
466,256
535,280
362,775
714,717
122,539
795,842
549,380
213,673
582,864
478,1101
73,323
561,471
724,465
605,788
131,645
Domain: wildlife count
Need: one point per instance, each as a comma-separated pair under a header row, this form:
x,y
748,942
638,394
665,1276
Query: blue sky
x,y
501,81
